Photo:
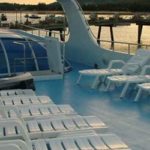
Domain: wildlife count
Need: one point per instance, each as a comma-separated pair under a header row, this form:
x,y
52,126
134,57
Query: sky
x,y
27,1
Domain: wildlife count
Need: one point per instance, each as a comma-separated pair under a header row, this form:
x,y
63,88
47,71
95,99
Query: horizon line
x,y
28,2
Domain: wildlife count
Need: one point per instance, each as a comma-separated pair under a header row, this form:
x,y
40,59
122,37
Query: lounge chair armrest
x,y
114,62
22,144
133,64
131,68
145,68
10,147
21,126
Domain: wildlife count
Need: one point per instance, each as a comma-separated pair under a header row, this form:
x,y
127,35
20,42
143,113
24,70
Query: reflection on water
x,y
127,34
121,33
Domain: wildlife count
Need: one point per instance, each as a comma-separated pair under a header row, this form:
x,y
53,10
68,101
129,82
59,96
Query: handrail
x,y
34,27
47,31
29,58
96,39
112,42
89,29
25,61
33,54
81,10
6,58
125,43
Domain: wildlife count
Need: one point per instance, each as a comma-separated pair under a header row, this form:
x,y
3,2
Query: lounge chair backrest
x,y
10,147
145,70
136,62
20,143
13,128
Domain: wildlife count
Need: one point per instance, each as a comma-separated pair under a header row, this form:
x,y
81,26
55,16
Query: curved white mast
x,y
81,46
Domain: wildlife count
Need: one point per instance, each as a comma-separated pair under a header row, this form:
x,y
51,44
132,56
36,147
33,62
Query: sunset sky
x,y
27,1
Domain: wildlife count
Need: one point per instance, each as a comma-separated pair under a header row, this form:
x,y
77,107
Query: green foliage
x,y
40,6
116,5
94,5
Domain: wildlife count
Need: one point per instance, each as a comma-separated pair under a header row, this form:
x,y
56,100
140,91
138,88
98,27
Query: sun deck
x,y
126,118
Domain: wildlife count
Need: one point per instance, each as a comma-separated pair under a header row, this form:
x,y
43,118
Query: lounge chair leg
x,y
78,81
123,93
108,85
95,82
104,80
138,95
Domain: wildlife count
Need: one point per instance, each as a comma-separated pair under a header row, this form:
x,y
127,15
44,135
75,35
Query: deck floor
x,y
129,120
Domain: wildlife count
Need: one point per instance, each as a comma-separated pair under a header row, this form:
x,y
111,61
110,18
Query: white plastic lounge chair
x,y
84,142
142,87
129,79
51,128
27,92
73,141
16,144
25,100
133,65
91,142
36,111
23,80
9,147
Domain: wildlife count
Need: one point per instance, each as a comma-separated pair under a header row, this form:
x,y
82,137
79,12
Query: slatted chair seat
x,y
36,111
141,88
51,128
127,80
93,142
25,100
12,131
7,93
132,66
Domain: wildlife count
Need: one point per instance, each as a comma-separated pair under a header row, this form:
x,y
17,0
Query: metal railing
x,y
25,61
129,45
128,50
40,32
32,29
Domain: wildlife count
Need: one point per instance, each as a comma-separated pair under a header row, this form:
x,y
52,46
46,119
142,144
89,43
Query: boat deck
x,y
127,119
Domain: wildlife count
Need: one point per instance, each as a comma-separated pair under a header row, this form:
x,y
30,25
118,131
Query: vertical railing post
x,y
6,57
39,32
128,48
113,48
46,32
99,34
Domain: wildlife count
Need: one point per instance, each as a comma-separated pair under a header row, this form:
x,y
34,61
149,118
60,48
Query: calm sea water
x,y
121,33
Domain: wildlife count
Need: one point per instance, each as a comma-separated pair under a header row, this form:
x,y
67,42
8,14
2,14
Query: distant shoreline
x,y
86,12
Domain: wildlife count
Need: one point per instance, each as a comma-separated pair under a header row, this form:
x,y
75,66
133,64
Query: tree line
x,y
39,6
135,6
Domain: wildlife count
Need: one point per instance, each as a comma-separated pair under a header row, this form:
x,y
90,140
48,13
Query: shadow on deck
x,y
126,118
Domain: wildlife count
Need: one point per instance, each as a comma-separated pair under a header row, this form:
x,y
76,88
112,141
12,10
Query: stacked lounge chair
x,y
23,81
142,87
16,92
24,100
127,80
36,123
132,66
